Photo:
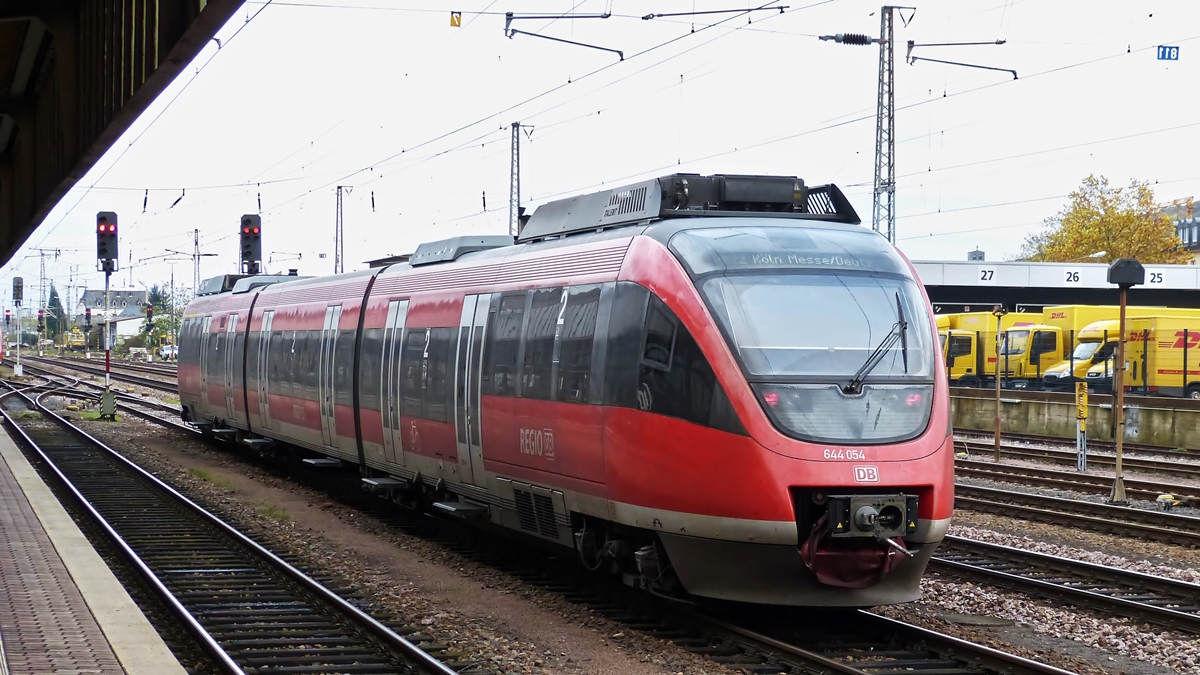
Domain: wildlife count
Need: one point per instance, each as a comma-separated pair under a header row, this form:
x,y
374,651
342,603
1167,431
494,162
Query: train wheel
x,y
1193,391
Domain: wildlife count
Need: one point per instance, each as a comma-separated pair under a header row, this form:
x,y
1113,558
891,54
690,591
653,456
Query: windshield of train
x,y
829,326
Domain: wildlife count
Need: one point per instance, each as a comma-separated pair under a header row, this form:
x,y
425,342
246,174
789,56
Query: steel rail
x,y
985,437
146,382
1138,523
206,641
364,621
1175,467
1189,495
951,655
895,646
1167,602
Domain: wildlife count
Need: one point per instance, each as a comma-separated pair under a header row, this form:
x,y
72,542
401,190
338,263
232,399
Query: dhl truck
x,y
1162,356
969,348
1094,343
1093,347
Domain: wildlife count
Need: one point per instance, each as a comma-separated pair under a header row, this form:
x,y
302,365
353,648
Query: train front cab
x,y
753,515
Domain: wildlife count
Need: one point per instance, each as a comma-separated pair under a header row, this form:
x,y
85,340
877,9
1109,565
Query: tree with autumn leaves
x,y
1121,222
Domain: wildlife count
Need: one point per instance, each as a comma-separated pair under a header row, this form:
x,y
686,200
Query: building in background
x,y
1183,215
127,308
975,256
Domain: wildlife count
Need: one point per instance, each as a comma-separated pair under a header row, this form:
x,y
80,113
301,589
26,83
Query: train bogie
x,y
743,406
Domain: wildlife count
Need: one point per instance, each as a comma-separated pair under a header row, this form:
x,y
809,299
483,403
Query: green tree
x,y
55,315
1121,222
168,312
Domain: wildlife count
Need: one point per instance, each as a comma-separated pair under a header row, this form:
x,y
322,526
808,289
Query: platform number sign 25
x,y
1154,277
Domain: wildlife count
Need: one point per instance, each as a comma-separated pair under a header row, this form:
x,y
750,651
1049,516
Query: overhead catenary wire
x,y
532,98
158,116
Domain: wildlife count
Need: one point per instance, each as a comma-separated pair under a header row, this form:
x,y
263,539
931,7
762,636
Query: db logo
x,y
866,474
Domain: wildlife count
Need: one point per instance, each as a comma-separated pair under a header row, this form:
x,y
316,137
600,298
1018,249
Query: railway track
x,y
976,437
1188,495
859,642
40,365
1179,466
249,610
1166,602
1130,522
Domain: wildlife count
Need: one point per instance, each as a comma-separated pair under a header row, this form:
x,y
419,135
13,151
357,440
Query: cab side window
x,y
504,345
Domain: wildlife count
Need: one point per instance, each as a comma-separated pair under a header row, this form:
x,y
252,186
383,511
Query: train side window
x,y
503,345
623,351
660,336
576,337
545,308
310,366
439,374
369,368
688,388
412,378
277,357
343,368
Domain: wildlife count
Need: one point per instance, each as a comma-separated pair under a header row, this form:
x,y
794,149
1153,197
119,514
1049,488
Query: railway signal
x,y
250,233
106,256
87,320
106,240
149,317
41,321
18,291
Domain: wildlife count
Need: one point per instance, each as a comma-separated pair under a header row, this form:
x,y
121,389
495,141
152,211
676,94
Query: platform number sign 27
x,y
986,276
1166,53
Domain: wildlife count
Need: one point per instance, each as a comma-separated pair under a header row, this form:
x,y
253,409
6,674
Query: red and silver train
x,y
715,386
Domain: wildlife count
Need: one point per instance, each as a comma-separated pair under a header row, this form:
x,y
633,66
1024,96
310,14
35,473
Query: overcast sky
x,y
389,98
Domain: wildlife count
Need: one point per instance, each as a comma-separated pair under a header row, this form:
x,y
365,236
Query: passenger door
x,y
230,375
389,384
468,365
264,357
205,325
329,336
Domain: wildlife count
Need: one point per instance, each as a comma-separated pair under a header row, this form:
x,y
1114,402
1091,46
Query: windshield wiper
x,y
899,332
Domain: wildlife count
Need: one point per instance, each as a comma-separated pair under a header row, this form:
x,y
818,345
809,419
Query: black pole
x,y
1185,372
1145,360
1071,372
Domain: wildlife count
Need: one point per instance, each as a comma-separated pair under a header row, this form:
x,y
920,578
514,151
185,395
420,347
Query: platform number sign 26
x,y
1166,53
1071,277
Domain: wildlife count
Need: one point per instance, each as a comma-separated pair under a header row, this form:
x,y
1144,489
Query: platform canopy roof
x,y
74,74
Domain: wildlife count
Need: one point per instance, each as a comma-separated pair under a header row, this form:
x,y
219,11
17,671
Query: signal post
x,y
106,260
18,296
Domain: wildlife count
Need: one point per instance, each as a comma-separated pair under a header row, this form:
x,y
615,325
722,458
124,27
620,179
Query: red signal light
x,y
112,228
246,230
100,228
256,230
